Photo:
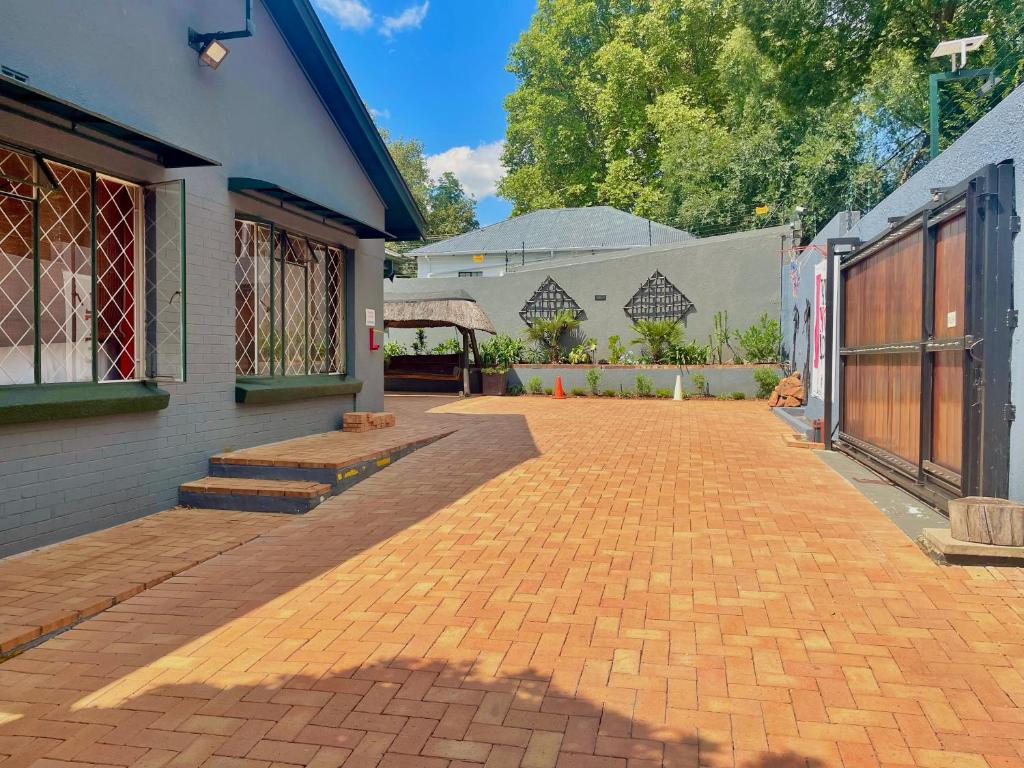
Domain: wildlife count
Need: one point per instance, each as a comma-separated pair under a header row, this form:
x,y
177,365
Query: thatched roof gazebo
x,y
441,309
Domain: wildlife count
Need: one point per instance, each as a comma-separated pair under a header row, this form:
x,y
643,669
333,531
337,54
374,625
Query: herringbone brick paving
x,y
580,583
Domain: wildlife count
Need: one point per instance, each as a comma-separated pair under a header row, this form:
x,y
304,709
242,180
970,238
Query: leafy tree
x,y
451,210
445,205
695,112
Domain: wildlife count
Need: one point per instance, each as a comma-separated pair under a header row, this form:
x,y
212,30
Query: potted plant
x,y
497,356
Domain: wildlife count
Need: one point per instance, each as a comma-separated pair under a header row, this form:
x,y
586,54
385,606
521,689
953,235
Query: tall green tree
x,y
697,111
445,204
451,210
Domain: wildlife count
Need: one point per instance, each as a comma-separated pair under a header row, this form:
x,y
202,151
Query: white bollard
x,y
678,394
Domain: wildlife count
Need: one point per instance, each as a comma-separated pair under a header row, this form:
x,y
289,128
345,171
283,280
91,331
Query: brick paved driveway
x,y
579,583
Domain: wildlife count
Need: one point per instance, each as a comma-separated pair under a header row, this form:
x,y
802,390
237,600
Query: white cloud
x,y
351,14
411,18
379,114
479,170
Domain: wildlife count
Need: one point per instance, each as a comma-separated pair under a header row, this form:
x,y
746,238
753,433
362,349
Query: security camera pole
x,y
957,50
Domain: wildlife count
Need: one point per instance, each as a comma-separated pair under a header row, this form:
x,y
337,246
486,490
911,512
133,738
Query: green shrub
x,y
515,389
737,396
578,355
447,347
609,393
626,394
392,349
578,392
767,380
535,386
594,380
419,347
761,341
501,352
547,332
616,350
644,386
689,353
549,391
657,337
663,393
700,384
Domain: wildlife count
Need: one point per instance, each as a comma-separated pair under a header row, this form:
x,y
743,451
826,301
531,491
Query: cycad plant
x,y
547,332
658,337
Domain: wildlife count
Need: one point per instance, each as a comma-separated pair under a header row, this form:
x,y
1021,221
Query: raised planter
x,y
494,383
719,379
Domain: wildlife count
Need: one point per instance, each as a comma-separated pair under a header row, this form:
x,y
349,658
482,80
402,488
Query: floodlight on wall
x,y
960,47
210,45
213,53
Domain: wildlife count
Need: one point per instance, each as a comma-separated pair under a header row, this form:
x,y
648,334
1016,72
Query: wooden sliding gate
x,y
925,324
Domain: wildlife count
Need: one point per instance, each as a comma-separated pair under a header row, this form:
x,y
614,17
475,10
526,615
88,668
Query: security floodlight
x,y
213,53
210,45
960,47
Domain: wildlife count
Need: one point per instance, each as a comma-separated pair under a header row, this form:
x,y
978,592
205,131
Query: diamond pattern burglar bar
x,y
658,299
547,301
296,257
117,223
65,276
17,325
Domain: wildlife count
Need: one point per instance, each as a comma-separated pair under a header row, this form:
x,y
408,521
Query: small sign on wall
x,y
951,319
371,318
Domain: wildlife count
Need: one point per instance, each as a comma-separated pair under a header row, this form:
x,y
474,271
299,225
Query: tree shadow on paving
x,y
382,714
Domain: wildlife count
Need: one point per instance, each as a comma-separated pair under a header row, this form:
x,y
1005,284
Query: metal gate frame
x,y
987,197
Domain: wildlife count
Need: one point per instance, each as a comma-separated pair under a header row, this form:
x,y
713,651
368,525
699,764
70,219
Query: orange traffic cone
x,y
559,392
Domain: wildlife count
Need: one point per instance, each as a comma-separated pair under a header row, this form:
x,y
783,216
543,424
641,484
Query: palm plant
x,y
547,332
658,337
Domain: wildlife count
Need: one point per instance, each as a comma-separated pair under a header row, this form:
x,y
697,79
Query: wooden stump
x,y
987,521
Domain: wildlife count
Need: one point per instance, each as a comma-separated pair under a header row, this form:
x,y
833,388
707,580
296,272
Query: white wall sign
x,y
371,318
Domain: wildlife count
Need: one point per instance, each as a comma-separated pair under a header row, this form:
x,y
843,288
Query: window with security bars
x,y
658,299
547,301
91,275
289,303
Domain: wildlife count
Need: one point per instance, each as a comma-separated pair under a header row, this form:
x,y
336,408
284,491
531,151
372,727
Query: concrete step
x,y
252,494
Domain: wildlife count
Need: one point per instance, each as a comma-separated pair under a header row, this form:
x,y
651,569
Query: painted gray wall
x,y
65,478
996,137
738,273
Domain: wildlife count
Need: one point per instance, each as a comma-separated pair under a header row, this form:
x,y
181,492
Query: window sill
x,y
263,390
51,402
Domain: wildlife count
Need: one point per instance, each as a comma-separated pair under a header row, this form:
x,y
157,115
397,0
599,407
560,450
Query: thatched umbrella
x,y
441,309
437,309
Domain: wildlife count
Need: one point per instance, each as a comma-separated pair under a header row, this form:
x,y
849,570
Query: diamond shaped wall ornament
x,y
658,299
549,300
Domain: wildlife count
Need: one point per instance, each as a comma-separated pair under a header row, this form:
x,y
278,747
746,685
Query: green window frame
x,y
290,290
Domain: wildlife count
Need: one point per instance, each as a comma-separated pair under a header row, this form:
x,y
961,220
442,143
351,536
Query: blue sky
x,y
434,70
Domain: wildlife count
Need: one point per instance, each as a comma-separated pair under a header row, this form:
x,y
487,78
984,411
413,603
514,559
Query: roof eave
x,y
309,43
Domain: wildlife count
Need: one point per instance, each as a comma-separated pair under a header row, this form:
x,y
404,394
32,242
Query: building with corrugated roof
x,y
552,235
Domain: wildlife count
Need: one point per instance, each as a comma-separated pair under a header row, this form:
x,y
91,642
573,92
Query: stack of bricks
x,y
790,393
364,421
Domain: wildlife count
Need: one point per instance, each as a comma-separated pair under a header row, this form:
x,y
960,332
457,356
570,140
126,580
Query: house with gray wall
x,y
550,236
991,149
190,255
692,280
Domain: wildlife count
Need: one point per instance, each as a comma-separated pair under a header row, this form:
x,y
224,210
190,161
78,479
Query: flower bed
x,y
714,380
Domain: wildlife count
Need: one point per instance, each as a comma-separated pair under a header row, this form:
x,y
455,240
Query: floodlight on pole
x,y
957,51
960,47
